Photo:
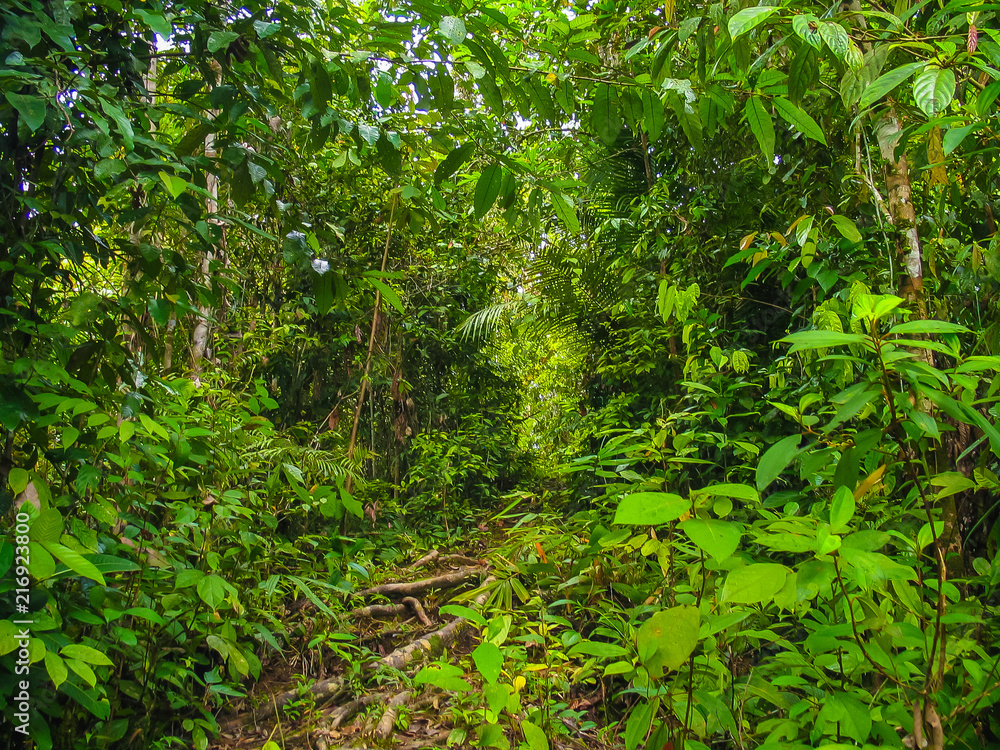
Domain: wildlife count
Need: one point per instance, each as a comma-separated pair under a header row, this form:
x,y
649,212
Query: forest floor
x,y
357,680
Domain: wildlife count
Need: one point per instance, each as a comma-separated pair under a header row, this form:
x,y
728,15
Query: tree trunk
x,y
904,218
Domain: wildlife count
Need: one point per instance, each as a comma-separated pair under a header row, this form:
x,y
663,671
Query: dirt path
x,y
359,693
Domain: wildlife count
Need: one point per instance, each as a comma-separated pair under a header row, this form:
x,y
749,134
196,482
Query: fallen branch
x,y
412,588
388,721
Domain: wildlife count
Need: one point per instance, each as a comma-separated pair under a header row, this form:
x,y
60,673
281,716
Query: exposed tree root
x,y
418,609
388,721
324,690
413,588
376,611
435,555
431,643
349,710
425,560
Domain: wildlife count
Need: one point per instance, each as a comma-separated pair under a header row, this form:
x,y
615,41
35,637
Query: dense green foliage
x,y
687,312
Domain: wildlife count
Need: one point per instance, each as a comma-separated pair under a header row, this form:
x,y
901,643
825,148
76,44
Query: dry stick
x,y
385,725
412,588
432,643
371,348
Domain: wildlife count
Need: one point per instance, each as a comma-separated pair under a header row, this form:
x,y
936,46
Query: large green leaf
x,y
31,109
75,561
836,38
453,29
799,119
606,115
934,89
718,538
668,638
754,584
776,459
455,159
651,508
489,661
886,83
487,189
806,25
748,19
563,206
652,114
804,340
759,120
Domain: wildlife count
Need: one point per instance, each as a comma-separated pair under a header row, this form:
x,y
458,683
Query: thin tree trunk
x,y
904,218
368,360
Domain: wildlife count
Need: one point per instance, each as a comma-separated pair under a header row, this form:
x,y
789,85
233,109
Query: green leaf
x,y
986,97
56,668
212,590
718,538
444,676
455,159
806,25
48,527
847,228
639,724
651,508
761,126
748,19
487,189
934,89
927,326
598,649
489,661
852,717
75,561
653,116
776,459
606,115
453,29
86,654
175,185
836,38
534,736
460,611
99,707
955,135
31,109
799,119
841,509
388,294
754,584
221,40
156,21
563,207
736,491
886,83
668,638
803,73
804,340
18,480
